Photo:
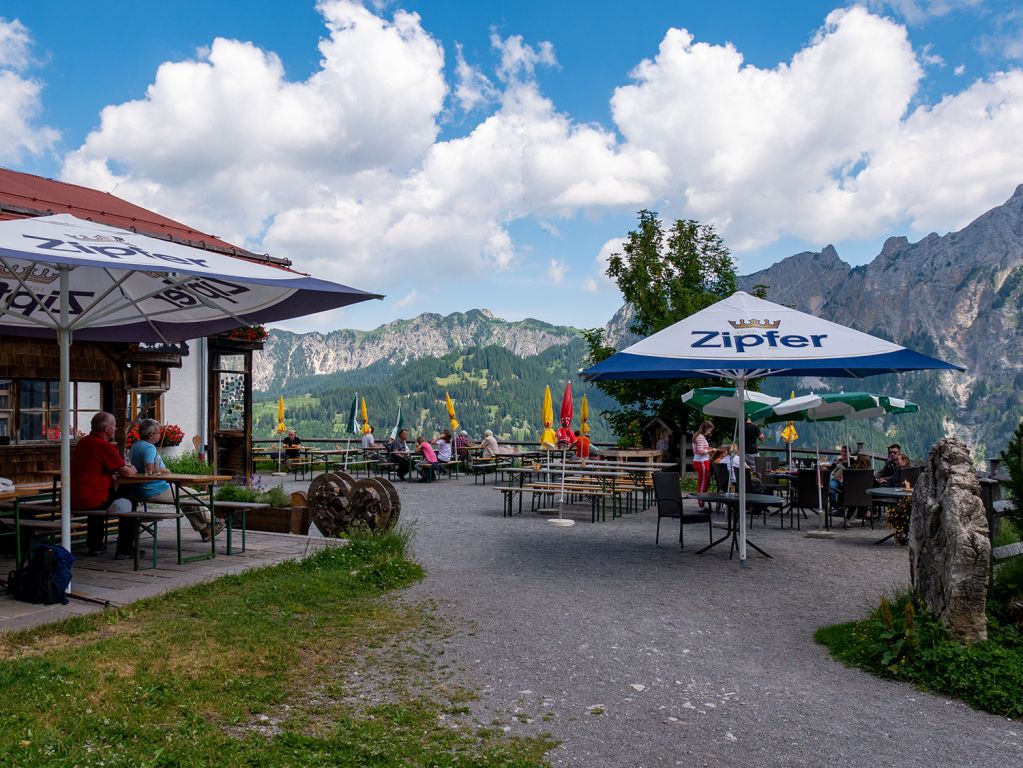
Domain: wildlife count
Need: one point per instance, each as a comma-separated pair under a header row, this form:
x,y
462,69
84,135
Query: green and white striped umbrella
x,y
833,406
721,401
896,405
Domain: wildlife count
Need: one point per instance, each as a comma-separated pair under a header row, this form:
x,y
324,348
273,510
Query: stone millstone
x,y
949,548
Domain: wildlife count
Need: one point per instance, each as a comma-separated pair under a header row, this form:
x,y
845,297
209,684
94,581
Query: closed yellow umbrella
x,y
584,416
789,434
280,415
548,440
366,428
452,420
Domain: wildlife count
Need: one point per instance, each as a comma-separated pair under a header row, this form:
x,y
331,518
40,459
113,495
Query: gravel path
x,y
636,655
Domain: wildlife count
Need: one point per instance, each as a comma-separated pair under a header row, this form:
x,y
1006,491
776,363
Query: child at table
x,y
147,460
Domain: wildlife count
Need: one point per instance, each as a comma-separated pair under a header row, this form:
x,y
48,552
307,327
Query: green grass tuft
x,y
912,646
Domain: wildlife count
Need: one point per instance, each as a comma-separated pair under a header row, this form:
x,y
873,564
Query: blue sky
x,y
460,155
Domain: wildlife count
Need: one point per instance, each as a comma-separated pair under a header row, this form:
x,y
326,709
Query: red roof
x,y
23,195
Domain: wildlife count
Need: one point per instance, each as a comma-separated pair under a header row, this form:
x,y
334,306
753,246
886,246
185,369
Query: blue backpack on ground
x,y
45,576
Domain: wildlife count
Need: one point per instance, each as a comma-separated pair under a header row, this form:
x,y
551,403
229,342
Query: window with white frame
x,y
30,409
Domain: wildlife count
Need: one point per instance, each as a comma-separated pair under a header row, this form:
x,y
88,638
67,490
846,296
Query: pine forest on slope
x,y
492,388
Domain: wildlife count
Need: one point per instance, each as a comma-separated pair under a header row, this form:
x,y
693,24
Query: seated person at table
x,y
733,461
400,454
292,443
838,466
891,466
429,463
94,464
489,445
462,445
862,461
443,447
147,461
368,441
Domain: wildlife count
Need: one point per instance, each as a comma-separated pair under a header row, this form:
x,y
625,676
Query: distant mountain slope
x,y
289,356
493,388
958,297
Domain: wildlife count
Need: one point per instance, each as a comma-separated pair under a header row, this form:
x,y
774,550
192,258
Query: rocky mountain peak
x,y
286,356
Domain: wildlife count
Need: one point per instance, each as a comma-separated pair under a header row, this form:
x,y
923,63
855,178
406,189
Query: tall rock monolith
x,y
949,547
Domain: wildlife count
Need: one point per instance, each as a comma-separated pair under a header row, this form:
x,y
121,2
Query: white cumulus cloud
x,y
344,173
823,147
556,271
20,96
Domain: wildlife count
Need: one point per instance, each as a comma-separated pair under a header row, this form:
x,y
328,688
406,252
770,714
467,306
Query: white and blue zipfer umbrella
x,y
743,338
64,276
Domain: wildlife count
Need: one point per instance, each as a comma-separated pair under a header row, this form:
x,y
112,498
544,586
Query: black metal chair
x,y
720,476
912,474
668,497
808,494
855,484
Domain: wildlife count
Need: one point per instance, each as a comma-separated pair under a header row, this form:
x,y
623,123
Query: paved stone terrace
x,y
105,579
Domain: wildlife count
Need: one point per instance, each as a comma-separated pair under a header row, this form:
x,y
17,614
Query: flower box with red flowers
x,y
255,333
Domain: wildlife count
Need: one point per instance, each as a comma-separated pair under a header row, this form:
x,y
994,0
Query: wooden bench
x,y
27,527
149,522
478,466
354,466
538,491
299,465
230,511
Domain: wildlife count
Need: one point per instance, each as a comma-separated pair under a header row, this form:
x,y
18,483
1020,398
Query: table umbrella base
x,y
560,522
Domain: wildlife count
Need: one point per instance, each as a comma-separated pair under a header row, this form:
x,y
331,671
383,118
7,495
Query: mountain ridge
x,y
957,296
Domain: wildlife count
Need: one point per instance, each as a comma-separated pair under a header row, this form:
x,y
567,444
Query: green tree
x,y
664,277
1012,457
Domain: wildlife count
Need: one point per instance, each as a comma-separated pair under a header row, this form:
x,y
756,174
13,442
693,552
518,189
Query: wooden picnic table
x,y
15,496
187,485
606,480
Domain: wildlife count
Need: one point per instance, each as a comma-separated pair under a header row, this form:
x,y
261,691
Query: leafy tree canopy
x,y
665,276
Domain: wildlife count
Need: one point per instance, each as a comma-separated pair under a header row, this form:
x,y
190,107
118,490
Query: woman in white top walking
x,y
701,457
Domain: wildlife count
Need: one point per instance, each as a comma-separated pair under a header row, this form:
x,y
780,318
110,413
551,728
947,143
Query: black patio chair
x,y
855,484
912,474
721,476
669,500
806,497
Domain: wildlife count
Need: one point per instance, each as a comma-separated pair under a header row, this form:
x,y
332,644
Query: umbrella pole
x,y
740,390
64,343
820,533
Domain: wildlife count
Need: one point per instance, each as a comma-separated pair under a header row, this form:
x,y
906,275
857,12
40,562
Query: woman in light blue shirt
x,y
147,460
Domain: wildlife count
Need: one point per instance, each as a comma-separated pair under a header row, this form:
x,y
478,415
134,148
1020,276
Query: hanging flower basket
x,y
171,435
255,333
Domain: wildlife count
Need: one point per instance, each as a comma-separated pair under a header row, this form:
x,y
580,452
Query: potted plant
x,y
283,516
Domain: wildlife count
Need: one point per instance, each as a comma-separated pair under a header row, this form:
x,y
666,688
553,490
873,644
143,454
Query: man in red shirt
x,y
94,464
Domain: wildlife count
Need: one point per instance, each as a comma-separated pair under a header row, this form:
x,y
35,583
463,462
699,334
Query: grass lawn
x,y
300,664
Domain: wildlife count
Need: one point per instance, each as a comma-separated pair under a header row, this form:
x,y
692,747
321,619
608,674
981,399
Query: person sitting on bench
x,y
147,460
443,447
95,463
292,445
428,465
